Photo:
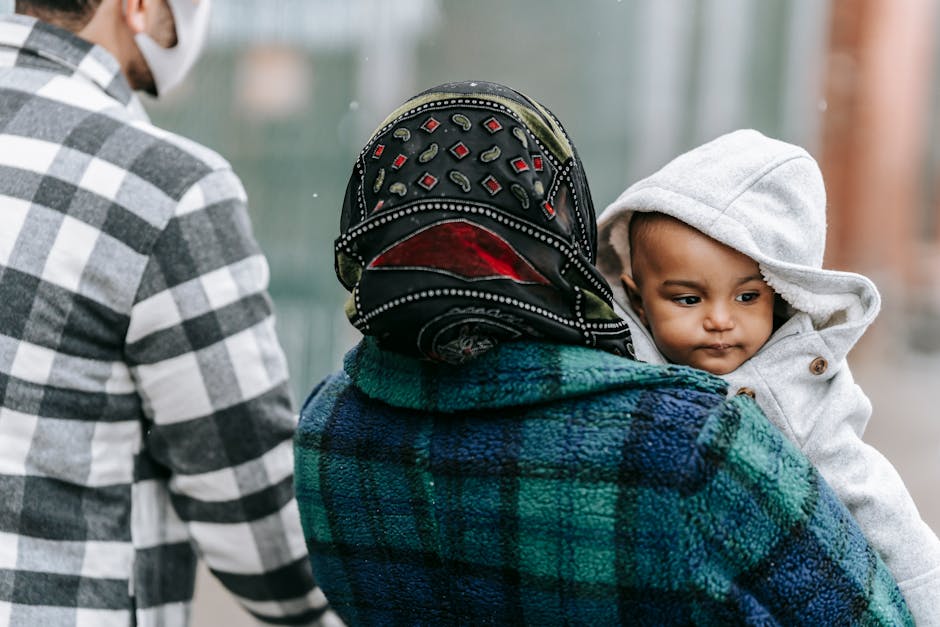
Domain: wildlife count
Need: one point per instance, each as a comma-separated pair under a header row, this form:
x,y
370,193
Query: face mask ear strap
x,y
169,66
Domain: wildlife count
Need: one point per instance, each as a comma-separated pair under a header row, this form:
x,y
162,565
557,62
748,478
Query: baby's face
x,y
706,304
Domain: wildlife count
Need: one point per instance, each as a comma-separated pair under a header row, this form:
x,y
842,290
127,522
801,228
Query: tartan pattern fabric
x,y
549,485
145,418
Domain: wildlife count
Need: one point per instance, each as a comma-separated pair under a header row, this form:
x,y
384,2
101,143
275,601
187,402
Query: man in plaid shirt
x,y
145,418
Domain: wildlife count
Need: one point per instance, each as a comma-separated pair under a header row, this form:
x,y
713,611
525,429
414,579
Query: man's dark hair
x,y
69,14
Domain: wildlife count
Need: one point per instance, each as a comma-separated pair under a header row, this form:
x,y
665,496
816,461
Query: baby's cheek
x,y
672,342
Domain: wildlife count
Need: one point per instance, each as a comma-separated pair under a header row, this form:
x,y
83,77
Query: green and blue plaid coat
x,y
549,485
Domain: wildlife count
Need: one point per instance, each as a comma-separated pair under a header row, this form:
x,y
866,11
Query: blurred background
x,y
290,90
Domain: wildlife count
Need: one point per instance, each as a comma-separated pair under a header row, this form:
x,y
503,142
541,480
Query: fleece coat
x,y
766,199
545,484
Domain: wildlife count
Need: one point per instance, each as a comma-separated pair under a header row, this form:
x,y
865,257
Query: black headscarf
x,y
468,221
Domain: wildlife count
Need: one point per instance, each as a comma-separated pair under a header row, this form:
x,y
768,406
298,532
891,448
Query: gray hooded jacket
x,y
766,199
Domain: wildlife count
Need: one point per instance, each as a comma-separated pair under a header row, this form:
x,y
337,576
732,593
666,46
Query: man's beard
x,y
140,78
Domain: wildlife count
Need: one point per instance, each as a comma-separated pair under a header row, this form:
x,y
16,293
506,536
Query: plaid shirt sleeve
x,y
213,380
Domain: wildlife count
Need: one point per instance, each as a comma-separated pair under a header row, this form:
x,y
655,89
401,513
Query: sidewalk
x,y
905,424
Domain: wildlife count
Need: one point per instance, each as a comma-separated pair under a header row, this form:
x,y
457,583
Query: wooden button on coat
x,y
818,366
747,392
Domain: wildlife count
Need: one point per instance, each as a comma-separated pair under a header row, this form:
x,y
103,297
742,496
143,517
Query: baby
x,y
717,262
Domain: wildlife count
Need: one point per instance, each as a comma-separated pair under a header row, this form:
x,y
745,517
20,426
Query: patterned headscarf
x,y
468,221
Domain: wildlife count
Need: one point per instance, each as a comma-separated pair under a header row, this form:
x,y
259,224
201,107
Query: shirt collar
x,y
73,55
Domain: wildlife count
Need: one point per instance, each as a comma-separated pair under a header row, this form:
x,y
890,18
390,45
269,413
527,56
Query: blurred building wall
x,y
879,157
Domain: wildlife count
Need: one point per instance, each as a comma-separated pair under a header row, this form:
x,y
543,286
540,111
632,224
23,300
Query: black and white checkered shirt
x,y
145,418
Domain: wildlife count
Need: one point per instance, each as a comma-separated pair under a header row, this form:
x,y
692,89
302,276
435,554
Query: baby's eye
x,y
686,300
747,297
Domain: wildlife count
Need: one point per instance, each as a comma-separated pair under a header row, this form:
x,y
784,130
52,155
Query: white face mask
x,y
169,66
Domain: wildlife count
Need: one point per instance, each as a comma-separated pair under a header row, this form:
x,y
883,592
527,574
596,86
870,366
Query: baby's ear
x,y
633,294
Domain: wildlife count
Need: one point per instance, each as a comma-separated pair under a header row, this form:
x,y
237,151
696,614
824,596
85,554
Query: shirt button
x,y
747,392
819,366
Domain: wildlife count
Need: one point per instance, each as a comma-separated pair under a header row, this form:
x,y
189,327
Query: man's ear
x,y
135,14
633,294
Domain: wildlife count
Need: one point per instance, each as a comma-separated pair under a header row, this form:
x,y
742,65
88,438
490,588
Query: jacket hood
x,y
764,198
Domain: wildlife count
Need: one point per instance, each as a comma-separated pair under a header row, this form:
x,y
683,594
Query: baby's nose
x,y
719,318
